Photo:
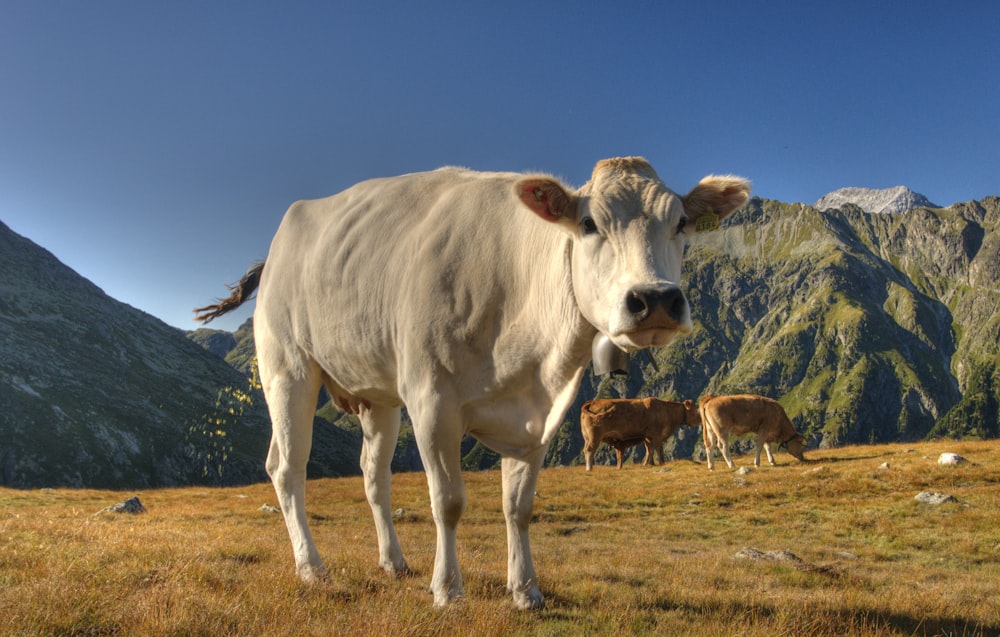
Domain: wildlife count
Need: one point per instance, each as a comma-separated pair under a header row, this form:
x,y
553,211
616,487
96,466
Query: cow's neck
x,y
539,353
563,369
579,332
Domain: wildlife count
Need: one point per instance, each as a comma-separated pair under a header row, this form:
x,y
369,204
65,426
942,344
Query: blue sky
x,y
153,147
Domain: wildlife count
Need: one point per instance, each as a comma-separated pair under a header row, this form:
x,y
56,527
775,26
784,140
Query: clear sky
x,y
154,146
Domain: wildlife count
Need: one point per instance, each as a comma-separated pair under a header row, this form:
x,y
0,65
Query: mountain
x,y
867,327
95,393
218,342
885,201
236,348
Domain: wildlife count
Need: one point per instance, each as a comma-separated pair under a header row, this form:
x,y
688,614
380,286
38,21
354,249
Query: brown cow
x,y
723,416
624,422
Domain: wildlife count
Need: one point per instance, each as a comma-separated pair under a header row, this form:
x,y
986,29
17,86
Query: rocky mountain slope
x,y
95,393
867,327
885,201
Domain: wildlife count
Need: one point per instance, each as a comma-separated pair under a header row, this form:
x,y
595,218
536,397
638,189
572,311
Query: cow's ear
x,y
547,199
715,195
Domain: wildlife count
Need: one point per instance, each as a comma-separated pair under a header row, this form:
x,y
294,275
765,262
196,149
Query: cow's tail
x,y
706,429
702,402
240,293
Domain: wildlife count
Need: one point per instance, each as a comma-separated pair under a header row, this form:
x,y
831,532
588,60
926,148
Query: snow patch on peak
x,y
895,200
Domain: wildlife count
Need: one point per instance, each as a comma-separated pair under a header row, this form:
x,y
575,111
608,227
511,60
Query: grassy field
x,y
637,551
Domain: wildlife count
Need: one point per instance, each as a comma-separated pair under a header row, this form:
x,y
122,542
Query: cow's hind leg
x,y
709,441
380,426
520,476
724,447
589,447
291,401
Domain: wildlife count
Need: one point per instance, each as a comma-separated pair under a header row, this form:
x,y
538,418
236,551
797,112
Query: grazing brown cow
x,y
723,416
624,422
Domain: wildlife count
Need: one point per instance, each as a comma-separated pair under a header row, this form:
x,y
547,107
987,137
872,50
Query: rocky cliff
x,y
867,327
95,393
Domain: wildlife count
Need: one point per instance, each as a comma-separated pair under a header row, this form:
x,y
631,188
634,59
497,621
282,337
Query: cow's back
x,y
424,273
629,419
746,413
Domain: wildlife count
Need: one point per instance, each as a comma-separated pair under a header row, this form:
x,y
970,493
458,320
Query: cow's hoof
x,y
396,571
443,599
312,573
532,600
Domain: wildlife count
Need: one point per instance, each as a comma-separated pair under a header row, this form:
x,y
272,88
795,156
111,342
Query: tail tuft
x,y
240,293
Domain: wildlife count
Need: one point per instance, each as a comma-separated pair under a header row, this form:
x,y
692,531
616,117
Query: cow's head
x,y
692,415
795,446
628,232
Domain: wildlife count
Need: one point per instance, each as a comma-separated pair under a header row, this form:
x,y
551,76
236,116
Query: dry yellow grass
x,y
636,551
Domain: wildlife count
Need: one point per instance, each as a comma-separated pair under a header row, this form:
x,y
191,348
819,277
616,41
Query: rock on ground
x,y
949,459
930,497
132,505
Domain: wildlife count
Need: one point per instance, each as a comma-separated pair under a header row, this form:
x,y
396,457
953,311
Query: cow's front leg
x,y
648,460
520,476
654,451
440,443
767,450
381,430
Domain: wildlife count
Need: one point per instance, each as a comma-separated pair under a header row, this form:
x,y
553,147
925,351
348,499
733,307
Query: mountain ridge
x,y
97,393
867,327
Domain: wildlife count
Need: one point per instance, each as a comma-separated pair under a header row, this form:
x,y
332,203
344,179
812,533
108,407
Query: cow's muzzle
x,y
650,316
658,306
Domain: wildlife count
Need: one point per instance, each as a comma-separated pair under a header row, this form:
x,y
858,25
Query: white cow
x,y
473,299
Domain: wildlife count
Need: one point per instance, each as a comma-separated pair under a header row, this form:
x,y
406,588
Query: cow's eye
x,y
682,224
588,225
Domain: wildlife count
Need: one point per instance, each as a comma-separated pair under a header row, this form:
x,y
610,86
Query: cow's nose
x,y
655,303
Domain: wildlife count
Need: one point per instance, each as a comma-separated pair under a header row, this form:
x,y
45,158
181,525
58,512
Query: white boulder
x,y
950,459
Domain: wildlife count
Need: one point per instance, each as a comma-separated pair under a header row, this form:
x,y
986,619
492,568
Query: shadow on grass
x,y
830,622
836,459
